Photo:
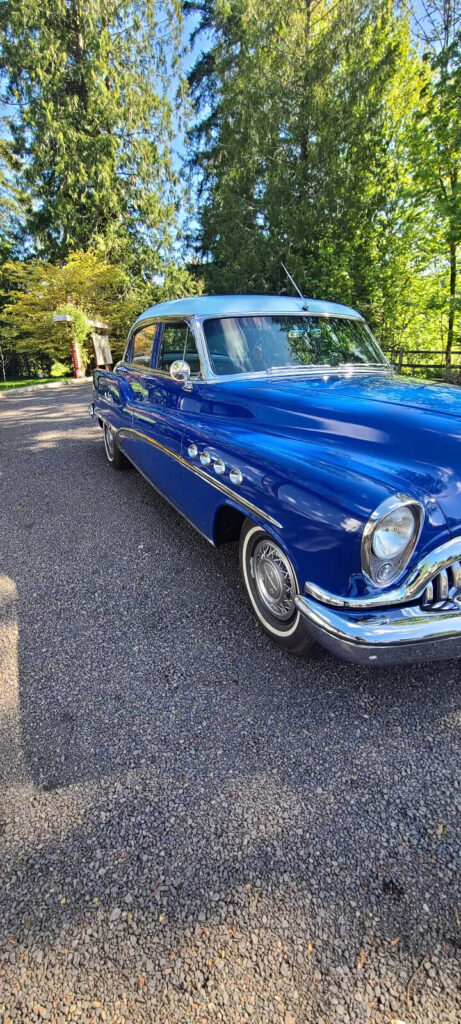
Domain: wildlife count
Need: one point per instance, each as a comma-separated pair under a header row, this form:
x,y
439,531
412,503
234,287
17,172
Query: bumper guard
x,y
389,637
384,628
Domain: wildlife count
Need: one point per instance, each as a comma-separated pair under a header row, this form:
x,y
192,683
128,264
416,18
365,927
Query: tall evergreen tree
x,y
437,141
89,82
303,115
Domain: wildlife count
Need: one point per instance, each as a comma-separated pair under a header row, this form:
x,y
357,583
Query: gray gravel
x,y
194,826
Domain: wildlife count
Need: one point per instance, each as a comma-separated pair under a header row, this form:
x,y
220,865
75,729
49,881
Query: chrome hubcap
x,y
109,440
274,580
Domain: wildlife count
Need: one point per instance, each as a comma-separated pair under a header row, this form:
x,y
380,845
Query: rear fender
x,y
111,389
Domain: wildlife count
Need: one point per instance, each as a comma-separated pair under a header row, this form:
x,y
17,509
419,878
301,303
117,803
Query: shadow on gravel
x,y
129,685
188,763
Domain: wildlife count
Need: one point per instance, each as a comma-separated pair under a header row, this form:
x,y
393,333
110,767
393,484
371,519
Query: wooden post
x,y
76,360
101,346
400,360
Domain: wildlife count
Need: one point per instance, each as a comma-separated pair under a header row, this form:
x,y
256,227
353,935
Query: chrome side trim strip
x,y
170,502
409,590
212,481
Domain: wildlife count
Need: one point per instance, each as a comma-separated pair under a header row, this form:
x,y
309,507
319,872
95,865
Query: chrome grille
x,y
444,587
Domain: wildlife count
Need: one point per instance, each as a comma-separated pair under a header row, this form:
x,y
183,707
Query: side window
x,y
141,346
177,342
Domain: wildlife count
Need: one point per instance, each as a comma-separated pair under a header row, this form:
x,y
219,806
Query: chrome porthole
x,y
192,451
205,458
235,476
274,580
219,467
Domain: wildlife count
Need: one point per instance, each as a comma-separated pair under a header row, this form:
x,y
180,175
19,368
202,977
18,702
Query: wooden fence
x,y
427,363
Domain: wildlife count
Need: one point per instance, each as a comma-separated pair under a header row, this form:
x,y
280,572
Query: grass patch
x,y
9,384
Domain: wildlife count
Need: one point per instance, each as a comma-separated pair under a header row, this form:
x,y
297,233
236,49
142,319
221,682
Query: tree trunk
x,y
2,363
451,314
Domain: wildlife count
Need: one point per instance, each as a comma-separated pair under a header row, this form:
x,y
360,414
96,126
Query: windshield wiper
x,y
302,367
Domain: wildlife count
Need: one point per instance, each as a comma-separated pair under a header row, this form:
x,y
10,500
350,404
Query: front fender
x,y
322,499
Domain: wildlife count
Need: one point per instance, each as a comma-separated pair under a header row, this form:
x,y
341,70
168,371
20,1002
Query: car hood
x,y
402,432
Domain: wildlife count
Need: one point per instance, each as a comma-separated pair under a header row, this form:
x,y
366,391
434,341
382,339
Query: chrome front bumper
x,y
385,628
385,637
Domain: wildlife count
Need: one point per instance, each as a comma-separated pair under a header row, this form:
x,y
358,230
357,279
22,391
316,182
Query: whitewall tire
x,y
271,585
114,456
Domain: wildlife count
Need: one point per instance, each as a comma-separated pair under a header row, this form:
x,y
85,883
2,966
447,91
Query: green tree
x,y
302,142
89,82
437,142
86,284
10,201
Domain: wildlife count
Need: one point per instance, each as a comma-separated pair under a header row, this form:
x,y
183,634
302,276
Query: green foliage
x,y
79,326
28,381
94,119
78,329
59,369
85,287
325,136
306,153
436,142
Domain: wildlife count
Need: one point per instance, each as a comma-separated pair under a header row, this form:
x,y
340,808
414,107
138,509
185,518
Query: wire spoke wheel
x,y
272,588
109,441
274,580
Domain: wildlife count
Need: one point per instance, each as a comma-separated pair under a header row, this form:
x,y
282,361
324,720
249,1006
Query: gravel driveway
x,y
195,826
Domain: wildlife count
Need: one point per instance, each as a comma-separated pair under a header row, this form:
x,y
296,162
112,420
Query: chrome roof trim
x,y
279,312
218,305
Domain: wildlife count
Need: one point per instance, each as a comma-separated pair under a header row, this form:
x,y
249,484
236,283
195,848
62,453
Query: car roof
x,y
235,305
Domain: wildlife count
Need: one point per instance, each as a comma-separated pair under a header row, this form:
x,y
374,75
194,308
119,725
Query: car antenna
x,y
294,285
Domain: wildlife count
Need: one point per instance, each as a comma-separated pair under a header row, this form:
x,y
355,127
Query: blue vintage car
x,y
278,422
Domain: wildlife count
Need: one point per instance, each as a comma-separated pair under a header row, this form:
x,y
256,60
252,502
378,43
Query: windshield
x,y
248,344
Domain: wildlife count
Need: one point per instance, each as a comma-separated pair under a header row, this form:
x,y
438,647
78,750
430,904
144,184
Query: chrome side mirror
x,y
180,371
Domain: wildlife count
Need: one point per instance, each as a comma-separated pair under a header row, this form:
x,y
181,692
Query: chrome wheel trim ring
x,y
109,442
274,580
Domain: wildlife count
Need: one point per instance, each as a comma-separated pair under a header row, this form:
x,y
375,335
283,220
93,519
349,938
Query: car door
x,y
158,408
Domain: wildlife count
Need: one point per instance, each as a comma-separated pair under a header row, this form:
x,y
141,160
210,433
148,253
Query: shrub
x,y
59,369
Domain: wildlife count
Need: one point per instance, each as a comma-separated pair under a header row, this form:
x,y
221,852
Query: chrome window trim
x,y
410,589
315,371
208,375
151,371
139,327
387,506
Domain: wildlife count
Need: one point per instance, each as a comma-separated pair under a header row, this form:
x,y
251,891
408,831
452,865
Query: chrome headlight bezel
x,y
372,562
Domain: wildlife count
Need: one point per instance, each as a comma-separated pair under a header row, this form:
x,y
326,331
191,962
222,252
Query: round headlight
x,y
389,539
393,534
